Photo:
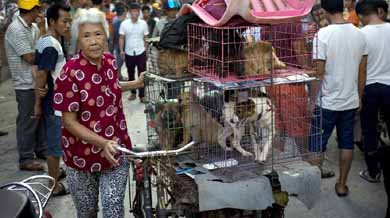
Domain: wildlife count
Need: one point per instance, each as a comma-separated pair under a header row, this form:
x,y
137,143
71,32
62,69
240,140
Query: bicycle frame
x,y
147,186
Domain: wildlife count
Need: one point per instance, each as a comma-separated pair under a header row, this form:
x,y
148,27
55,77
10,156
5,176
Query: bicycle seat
x,y
15,205
144,148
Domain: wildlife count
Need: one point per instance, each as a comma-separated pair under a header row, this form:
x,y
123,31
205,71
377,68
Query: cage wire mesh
x,y
169,126
254,105
252,52
168,63
254,123
169,119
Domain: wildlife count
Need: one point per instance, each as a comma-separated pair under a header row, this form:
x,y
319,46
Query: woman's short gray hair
x,y
91,16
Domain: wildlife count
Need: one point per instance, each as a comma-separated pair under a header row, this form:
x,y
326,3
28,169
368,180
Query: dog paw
x,y
247,154
228,148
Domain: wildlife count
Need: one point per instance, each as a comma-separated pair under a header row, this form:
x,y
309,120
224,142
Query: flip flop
x,y
341,194
62,191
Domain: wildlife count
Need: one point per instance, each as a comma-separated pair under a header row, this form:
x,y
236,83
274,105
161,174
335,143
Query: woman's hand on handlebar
x,y
109,152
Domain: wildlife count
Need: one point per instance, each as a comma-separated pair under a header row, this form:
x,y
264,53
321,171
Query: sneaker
x,y
31,166
326,173
366,176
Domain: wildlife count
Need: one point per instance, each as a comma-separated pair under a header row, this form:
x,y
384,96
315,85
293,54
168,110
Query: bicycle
x,y
151,170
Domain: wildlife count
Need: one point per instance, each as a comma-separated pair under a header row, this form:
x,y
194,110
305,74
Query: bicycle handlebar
x,y
162,153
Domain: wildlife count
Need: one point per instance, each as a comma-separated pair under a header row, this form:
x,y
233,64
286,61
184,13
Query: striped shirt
x,y
19,40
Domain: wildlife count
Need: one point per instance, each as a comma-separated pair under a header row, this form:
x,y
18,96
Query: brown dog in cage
x,y
168,125
172,123
186,116
173,63
260,58
234,53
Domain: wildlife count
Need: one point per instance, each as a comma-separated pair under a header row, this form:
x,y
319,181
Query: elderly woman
x,y
88,93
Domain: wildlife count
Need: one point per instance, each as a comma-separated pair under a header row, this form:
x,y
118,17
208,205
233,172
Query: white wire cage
x,y
254,123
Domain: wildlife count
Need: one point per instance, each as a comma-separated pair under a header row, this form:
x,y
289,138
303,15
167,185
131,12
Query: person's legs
x,y
322,127
113,189
119,62
41,146
53,134
141,67
357,132
130,65
386,176
26,129
369,120
345,126
385,109
385,163
84,188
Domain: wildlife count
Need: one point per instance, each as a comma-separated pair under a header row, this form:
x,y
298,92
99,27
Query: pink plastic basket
x,y
253,11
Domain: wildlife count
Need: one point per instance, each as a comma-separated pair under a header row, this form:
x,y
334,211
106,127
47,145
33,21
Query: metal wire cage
x,y
253,52
252,123
168,63
168,114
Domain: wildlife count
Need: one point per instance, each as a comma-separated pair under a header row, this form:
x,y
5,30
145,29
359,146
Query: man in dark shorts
x,y
49,60
341,64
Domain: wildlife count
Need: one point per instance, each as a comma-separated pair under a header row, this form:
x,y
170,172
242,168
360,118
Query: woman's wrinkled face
x,y
92,40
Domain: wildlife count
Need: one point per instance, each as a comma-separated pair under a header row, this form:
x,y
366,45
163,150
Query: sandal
x,y
341,194
62,174
61,192
326,172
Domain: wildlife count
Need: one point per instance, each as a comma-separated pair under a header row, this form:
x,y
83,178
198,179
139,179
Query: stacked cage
x,y
169,123
255,52
169,119
254,102
167,63
255,123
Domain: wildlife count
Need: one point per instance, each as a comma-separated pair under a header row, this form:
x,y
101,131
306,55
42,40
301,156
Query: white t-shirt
x,y
378,43
134,36
342,46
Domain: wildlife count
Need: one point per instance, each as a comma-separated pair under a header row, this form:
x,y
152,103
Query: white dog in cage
x,y
255,113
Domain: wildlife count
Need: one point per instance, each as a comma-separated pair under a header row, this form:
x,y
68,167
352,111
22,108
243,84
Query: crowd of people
x,y
69,87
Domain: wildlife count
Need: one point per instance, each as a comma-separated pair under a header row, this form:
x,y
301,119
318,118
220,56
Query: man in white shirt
x,y
377,90
339,52
133,33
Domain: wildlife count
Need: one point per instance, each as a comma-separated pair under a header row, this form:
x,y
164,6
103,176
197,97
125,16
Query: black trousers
x,y
132,62
385,164
375,99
